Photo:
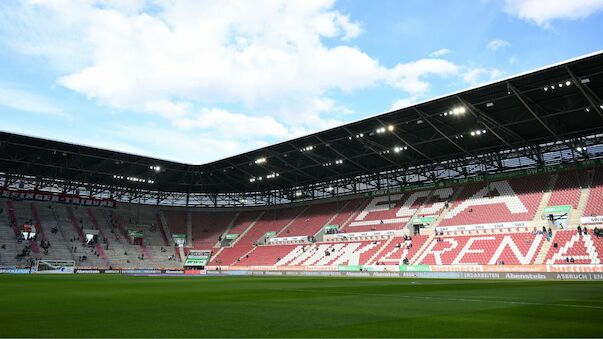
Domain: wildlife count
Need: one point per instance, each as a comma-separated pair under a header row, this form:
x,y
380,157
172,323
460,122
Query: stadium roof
x,y
556,103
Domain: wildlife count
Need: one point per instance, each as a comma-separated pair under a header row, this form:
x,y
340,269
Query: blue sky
x,y
196,81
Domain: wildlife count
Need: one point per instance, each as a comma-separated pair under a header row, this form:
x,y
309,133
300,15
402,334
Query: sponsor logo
x,y
574,276
140,271
525,276
472,275
357,274
386,275
575,268
15,270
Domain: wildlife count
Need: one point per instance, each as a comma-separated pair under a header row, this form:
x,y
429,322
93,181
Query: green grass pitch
x,y
125,306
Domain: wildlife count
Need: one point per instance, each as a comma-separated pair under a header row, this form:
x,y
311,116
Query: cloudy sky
x,y
196,81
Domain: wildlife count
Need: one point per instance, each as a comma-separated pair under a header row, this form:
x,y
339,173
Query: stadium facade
x,y
504,177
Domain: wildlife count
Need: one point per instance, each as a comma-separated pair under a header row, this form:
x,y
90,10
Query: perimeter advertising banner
x,y
477,227
349,268
288,239
592,220
414,268
427,268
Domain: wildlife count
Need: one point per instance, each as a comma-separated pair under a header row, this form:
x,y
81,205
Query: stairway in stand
x,y
75,223
37,221
98,246
35,248
12,220
117,220
161,229
145,251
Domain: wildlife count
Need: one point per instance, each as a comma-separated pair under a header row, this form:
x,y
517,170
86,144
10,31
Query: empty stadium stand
x,y
594,206
491,223
484,249
566,191
513,200
576,248
207,227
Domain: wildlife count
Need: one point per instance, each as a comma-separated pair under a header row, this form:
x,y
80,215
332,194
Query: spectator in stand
x,y
585,231
579,230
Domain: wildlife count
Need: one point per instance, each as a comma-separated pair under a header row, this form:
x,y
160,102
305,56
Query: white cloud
x,y
26,101
190,62
542,12
233,125
475,76
497,44
410,76
202,51
440,53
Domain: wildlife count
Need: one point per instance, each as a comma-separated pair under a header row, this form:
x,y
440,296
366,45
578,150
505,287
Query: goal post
x,y
54,266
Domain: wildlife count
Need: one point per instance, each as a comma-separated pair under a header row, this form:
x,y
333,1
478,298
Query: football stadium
x,y
473,210
473,214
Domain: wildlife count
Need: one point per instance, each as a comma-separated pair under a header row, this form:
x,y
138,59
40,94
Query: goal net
x,y
54,266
